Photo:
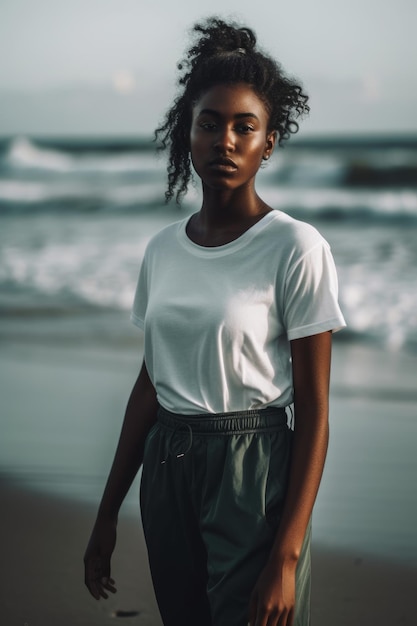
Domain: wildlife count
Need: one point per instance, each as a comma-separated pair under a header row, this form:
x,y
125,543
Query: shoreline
x,y
60,434
44,538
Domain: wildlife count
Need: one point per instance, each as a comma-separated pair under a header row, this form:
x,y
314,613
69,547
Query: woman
x,y
238,304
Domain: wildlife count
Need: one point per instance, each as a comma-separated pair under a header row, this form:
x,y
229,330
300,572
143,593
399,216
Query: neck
x,y
226,208
224,216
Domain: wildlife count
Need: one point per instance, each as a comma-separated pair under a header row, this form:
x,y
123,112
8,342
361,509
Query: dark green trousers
x,y
212,493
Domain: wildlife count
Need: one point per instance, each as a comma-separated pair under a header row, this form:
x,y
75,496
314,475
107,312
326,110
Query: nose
x,y
224,141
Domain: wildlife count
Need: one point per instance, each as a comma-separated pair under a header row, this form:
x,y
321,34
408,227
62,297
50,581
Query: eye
x,y
208,125
245,128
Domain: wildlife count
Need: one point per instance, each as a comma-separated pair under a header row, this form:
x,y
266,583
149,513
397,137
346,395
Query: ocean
x,y
75,218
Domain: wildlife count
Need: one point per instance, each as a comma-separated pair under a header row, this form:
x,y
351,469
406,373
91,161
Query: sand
x,y
43,539
43,536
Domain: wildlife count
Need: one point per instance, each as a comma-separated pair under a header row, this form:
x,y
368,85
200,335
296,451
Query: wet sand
x,y
43,539
43,536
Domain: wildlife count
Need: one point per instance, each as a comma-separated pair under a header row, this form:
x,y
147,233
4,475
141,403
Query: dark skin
x,y
139,418
230,137
229,123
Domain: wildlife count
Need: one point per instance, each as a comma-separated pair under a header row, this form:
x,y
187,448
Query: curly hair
x,y
224,53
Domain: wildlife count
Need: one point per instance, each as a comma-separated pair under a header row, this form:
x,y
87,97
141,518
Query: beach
x,y
43,541
76,216
364,564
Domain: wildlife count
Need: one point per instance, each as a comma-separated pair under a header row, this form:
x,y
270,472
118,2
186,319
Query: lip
x,y
223,164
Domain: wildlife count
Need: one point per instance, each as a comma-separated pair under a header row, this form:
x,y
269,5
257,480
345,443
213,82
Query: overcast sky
x,y
108,66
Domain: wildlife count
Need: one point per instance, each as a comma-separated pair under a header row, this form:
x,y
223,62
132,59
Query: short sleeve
x,y
311,294
140,301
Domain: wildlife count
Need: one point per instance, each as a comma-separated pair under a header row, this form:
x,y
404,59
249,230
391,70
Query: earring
x,y
266,157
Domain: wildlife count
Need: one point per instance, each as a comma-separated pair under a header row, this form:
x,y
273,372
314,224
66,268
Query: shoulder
x,y
295,236
163,238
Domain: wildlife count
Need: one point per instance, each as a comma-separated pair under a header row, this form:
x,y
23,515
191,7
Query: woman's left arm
x,y
273,599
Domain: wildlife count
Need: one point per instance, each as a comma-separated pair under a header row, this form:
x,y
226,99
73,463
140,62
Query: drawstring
x,y
190,442
252,420
291,420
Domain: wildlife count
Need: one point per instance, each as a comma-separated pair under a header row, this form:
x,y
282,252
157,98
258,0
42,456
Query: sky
x,y
108,67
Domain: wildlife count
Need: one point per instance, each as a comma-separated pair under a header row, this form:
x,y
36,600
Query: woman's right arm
x,y
139,418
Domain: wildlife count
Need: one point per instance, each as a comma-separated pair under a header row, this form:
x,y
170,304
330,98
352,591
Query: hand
x,y
272,601
97,560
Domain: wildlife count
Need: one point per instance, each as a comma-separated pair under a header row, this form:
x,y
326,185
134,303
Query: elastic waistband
x,y
269,419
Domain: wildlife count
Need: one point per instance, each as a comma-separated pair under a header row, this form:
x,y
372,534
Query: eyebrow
x,y
237,116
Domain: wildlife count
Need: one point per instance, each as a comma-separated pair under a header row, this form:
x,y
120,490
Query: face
x,y
229,136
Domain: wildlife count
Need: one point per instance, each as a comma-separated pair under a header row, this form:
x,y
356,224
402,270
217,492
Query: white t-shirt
x,y
218,320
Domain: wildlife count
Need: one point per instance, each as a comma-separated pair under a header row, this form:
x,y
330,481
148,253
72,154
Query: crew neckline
x,y
227,248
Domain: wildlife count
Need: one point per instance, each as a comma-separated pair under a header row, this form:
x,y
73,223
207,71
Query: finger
x,y
257,615
109,584
93,589
96,580
102,586
92,575
261,617
283,619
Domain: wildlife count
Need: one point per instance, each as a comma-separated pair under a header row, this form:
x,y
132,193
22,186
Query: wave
x,y
343,204
22,154
309,180
104,323
40,196
352,166
73,278
315,203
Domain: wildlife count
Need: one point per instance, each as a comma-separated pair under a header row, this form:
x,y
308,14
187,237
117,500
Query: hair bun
x,y
247,39
216,37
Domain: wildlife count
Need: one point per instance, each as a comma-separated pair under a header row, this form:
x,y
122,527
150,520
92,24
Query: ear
x,y
270,142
